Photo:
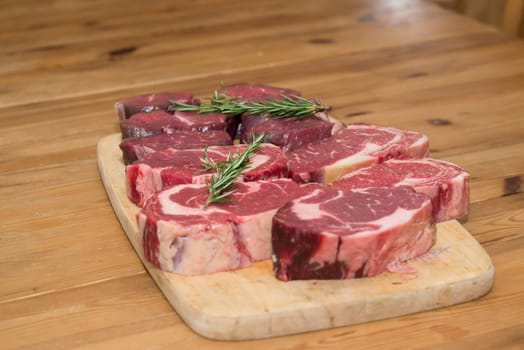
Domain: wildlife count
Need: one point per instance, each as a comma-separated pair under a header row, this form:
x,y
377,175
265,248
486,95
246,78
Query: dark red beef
x,y
257,92
337,234
352,148
205,122
160,122
445,183
147,124
135,149
288,133
150,102
163,169
247,123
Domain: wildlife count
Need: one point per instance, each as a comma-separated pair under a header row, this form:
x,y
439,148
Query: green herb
x,y
288,106
227,172
209,164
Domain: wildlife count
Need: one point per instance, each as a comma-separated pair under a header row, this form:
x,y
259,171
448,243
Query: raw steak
x,y
336,234
257,92
287,133
163,169
290,133
181,237
205,122
161,122
445,183
147,124
356,146
134,149
151,102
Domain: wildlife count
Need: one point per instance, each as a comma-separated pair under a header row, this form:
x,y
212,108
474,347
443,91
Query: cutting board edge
x,y
213,326
264,325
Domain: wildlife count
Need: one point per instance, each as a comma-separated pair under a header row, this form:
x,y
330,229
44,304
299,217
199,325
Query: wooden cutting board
x,y
250,303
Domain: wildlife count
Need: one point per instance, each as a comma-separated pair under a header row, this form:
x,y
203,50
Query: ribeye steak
x,y
162,169
336,234
356,146
182,237
445,183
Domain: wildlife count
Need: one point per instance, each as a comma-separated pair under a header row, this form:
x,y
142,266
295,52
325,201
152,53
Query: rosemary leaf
x,y
286,107
227,172
209,164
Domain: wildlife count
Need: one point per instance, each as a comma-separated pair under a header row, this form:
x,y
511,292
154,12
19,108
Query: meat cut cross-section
x,y
257,92
289,133
336,234
138,148
445,183
354,147
359,198
170,167
161,122
151,102
182,237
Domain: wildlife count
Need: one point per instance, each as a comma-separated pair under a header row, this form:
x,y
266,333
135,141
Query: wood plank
x,y
128,305
494,171
440,122
498,219
133,56
131,312
345,96
57,222
32,252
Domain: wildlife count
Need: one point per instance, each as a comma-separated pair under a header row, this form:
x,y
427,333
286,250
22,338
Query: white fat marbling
x,y
312,211
257,160
172,208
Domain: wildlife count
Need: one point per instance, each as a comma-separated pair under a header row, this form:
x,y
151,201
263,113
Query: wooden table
x,y
69,276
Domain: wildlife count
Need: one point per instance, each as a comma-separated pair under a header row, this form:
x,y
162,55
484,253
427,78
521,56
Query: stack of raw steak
x,y
287,133
149,103
322,199
137,148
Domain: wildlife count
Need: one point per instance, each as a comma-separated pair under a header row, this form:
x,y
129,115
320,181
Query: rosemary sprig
x,y
209,164
288,106
227,172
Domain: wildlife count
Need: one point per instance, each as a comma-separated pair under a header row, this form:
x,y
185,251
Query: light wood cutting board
x,y
250,303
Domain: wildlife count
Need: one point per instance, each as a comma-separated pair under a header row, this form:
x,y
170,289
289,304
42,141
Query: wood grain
x,y
90,60
70,278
